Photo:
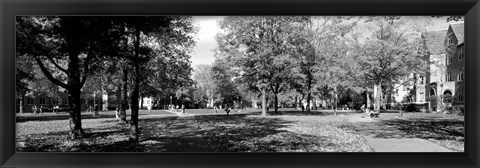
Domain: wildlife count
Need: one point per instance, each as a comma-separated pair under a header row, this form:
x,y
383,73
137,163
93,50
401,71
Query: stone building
x,y
445,76
455,61
445,50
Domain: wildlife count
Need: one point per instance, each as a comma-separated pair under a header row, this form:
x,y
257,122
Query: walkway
x,y
384,138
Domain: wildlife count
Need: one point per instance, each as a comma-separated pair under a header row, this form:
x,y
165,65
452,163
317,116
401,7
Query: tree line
x,y
294,58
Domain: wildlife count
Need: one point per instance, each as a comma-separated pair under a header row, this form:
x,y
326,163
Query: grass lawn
x,y
167,132
448,132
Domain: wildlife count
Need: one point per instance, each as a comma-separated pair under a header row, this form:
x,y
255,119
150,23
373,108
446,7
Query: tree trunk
x,y
308,101
301,103
74,91
141,102
75,117
276,103
136,90
264,102
389,97
335,103
268,102
309,95
211,102
296,103
20,108
123,109
378,97
104,98
368,99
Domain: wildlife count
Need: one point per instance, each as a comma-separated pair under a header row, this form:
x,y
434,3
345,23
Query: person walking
x,y
34,109
183,109
40,110
227,110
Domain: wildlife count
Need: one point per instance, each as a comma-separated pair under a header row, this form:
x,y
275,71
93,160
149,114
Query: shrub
x,y
411,108
459,110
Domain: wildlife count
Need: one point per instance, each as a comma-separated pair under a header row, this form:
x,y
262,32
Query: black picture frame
x,y
11,8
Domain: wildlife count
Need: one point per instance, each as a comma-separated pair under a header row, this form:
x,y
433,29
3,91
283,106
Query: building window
x,y
459,94
460,54
450,40
460,75
421,80
448,77
29,100
42,100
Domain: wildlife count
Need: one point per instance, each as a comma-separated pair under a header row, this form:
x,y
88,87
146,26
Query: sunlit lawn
x,y
167,132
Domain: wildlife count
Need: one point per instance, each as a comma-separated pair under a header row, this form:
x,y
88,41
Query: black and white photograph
x,y
240,83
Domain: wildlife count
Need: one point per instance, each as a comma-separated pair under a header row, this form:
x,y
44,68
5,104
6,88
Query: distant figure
x,y
34,109
362,108
55,109
149,108
40,110
183,109
215,109
227,109
117,112
89,108
95,113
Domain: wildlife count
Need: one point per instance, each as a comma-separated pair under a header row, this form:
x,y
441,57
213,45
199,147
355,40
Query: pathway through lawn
x,y
384,138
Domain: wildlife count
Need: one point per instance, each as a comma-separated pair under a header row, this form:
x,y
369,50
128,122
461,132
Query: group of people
x,y
90,109
367,111
37,110
174,108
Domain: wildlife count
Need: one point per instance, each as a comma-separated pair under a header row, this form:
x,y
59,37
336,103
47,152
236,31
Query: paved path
x,y
384,138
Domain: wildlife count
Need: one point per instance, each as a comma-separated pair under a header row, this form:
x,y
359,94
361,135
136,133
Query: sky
x,y
208,28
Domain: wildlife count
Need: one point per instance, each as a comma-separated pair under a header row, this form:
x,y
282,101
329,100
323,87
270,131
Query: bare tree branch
x,y
55,63
49,75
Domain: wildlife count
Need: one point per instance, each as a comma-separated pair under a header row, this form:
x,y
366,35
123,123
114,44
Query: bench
x,y
372,114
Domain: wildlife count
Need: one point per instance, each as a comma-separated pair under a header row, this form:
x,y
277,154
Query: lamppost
x,y
441,97
441,94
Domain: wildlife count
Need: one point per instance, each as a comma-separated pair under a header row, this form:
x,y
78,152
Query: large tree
x,y
392,52
258,49
69,45
153,37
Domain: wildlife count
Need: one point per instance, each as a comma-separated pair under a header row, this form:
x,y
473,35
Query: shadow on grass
x,y
64,116
439,129
300,113
234,133
425,128
215,133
